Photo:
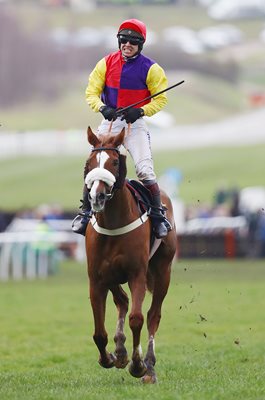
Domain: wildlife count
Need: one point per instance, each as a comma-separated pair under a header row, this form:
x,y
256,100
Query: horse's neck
x,y
120,210
121,203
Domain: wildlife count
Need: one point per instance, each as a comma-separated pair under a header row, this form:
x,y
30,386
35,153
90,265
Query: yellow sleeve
x,y
96,83
156,81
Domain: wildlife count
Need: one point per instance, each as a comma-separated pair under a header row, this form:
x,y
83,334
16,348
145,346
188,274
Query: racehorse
x,y
118,252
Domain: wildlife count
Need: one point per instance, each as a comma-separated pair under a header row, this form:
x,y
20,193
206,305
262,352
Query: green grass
x,y
203,99
206,169
47,351
68,111
27,182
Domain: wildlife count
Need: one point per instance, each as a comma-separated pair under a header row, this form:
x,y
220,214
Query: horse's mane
x,y
122,171
106,139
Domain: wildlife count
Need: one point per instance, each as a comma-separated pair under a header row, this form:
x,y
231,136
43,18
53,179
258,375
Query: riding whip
x,y
121,110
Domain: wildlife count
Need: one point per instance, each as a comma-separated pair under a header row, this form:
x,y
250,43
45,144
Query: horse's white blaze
x,y
100,173
93,191
102,158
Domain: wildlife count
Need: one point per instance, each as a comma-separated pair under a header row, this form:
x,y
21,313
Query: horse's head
x,y
105,168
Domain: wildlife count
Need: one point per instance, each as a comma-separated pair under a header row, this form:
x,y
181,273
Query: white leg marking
x,y
139,350
152,343
120,325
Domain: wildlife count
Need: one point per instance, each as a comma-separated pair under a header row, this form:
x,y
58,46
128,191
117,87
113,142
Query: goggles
x,y
132,40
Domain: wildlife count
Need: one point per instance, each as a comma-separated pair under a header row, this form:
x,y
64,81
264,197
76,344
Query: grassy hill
x,y
30,181
202,98
199,99
188,15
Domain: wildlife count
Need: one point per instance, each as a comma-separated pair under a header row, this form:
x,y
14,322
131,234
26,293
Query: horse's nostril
x,y
100,196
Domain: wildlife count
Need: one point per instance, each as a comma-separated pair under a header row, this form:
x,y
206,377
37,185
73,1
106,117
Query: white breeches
x,y
137,142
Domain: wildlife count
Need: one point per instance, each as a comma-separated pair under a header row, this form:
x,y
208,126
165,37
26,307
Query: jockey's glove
x,y
132,114
108,113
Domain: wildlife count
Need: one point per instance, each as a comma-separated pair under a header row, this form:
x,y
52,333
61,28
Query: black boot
x,y
161,225
80,222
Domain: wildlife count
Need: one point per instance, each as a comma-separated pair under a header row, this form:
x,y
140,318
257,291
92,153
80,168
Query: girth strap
x,y
119,231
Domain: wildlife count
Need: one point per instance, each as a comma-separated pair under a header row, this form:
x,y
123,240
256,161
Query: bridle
x,y
106,149
109,195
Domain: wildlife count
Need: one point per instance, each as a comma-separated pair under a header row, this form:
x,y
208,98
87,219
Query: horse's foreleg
x,y
121,300
98,302
137,366
161,283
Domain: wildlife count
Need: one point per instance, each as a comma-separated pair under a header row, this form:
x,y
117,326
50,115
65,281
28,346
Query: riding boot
x,y
80,222
161,225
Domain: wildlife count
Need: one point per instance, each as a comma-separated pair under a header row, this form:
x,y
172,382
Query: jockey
x,y
118,80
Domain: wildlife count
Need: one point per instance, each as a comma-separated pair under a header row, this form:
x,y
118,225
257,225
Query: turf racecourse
x,y
210,344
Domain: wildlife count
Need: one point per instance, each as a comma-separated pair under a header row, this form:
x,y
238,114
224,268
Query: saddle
x,y
141,195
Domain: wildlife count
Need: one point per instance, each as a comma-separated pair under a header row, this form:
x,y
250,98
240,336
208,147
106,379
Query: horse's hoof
x,y
121,359
108,362
147,379
121,364
139,370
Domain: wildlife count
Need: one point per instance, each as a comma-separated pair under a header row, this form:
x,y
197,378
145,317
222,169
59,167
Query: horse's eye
x,y
115,163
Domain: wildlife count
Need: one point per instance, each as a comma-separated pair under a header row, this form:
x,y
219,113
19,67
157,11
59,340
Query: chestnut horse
x,y
118,252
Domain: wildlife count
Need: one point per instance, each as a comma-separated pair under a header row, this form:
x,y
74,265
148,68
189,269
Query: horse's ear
x,y
91,137
119,138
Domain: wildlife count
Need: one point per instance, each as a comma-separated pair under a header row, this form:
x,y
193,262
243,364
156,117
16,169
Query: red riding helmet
x,y
134,25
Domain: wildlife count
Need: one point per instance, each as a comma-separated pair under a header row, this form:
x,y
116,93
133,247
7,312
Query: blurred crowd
x,y
45,212
227,203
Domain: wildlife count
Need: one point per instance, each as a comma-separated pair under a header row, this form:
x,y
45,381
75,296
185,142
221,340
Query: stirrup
x,y
161,225
81,221
168,224
165,220
160,230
